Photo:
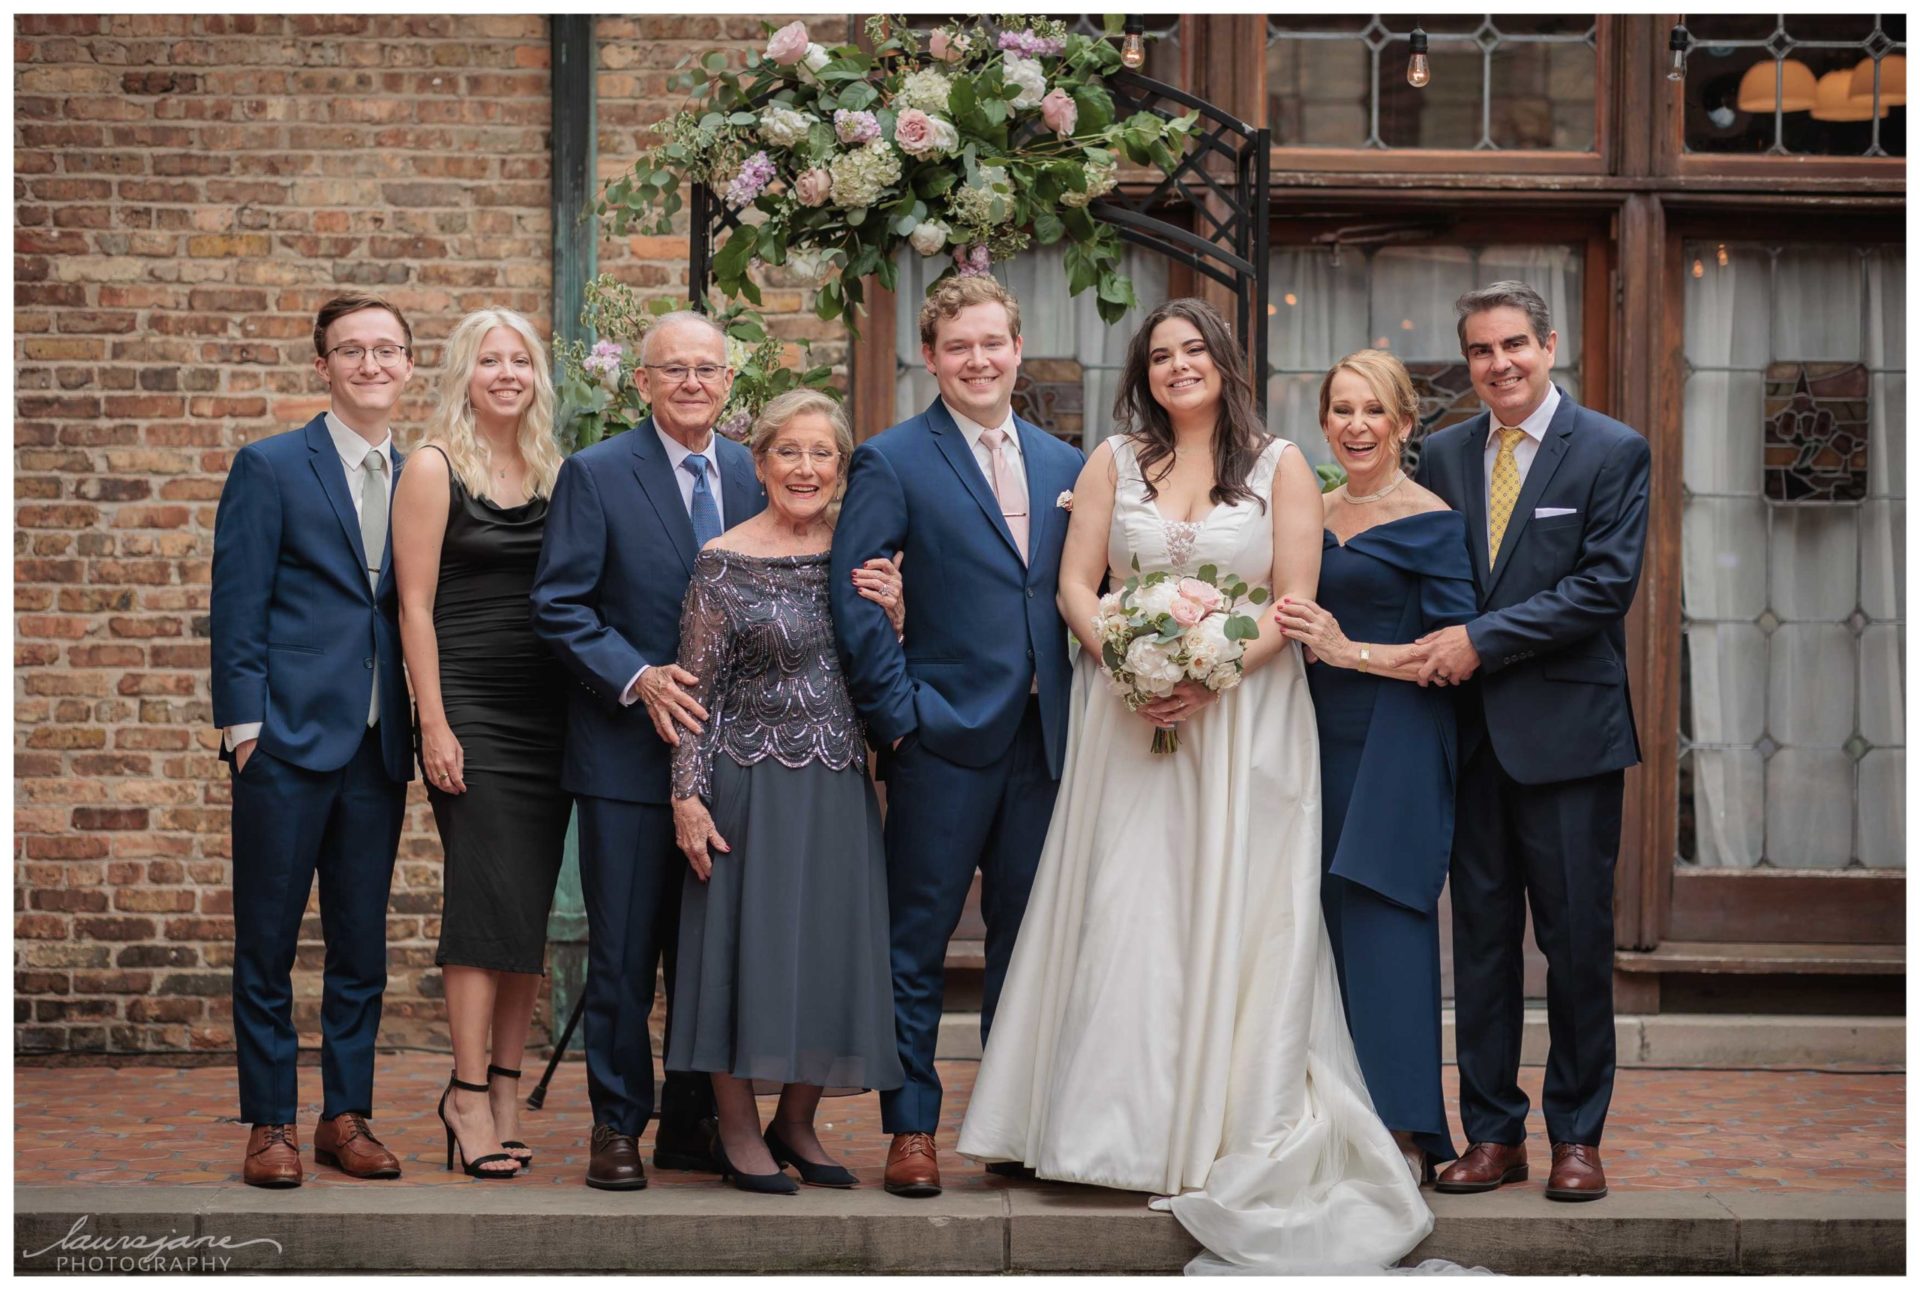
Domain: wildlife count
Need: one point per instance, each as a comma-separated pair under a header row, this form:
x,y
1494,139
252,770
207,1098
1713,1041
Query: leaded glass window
x,y
1499,82
1793,600
1797,84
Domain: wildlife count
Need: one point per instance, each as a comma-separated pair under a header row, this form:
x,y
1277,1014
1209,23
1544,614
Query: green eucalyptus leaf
x,y
1238,628
1259,595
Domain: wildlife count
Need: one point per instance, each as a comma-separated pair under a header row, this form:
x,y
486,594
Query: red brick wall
x,y
187,191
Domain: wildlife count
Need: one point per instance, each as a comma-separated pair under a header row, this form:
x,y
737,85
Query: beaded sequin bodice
x,y
758,633
1237,538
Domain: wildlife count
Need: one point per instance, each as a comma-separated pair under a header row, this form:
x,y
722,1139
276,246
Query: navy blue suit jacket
x,y
614,567
1551,689
298,636
981,626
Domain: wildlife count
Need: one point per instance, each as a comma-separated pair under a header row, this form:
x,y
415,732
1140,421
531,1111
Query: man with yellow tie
x,y
1555,497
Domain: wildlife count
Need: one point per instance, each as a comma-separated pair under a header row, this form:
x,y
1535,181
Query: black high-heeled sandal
x,y
814,1175
511,1144
470,1167
774,1184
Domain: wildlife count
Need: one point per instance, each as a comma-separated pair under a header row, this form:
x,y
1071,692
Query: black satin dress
x,y
502,691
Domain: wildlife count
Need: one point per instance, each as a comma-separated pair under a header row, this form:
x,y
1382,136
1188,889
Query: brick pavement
x,y
1758,1130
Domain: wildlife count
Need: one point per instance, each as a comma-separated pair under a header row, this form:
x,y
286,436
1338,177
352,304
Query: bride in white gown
x,y
1171,1021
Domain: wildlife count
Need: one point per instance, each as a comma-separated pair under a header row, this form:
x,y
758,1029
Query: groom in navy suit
x,y
969,707
627,518
1555,497
312,702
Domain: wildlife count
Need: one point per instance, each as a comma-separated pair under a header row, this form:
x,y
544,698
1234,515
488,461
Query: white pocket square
x,y
1548,512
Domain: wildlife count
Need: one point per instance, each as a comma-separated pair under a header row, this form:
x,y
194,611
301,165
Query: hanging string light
x,y
1418,72
1677,41
1133,49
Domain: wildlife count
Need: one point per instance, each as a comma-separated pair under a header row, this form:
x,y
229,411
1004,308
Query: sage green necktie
x,y
373,536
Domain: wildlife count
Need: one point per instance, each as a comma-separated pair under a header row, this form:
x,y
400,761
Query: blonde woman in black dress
x,y
468,515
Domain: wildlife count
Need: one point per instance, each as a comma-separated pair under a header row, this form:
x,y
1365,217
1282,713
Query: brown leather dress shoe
x,y
348,1145
913,1167
1486,1166
615,1165
273,1156
1577,1174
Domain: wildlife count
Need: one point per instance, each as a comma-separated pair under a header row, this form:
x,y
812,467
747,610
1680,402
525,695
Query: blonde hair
x,y
950,295
451,425
780,412
1387,377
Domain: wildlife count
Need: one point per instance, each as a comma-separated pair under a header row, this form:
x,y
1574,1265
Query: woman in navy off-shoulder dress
x,y
1395,566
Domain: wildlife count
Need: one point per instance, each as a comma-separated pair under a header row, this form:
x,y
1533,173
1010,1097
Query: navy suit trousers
x,y
943,822
1551,845
288,825
630,876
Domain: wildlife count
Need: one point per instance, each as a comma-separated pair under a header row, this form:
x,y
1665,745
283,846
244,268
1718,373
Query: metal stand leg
x,y
538,1098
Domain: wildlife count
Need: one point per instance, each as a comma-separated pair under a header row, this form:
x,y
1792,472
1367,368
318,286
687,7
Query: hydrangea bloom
x,y
783,126
927,90
1100,181
974,204
862,174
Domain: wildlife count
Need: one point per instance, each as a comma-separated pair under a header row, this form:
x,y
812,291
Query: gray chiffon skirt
x,y
783,973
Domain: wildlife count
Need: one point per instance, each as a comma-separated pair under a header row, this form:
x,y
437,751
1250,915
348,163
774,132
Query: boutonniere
x,y
1064,502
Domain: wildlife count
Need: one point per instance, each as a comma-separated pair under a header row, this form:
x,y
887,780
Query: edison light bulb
x,y
1133,50
1418,72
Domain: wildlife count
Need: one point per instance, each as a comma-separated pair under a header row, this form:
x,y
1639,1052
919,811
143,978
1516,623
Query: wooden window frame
x,y
1665,901
1508,162
1672,160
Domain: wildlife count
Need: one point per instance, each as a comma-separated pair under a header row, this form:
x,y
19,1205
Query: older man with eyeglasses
x,y
627,518
312,704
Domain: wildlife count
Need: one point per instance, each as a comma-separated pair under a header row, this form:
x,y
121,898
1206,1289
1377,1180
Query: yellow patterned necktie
x,y
1504,492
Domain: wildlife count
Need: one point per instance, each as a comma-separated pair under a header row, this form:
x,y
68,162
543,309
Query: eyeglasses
x,y
708,373
788,455
385,355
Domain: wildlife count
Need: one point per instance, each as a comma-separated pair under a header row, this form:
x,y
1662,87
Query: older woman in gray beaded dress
x,y
783,978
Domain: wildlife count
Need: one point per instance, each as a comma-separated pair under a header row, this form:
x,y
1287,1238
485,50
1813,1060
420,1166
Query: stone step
x,y
1699,1040
1020,1228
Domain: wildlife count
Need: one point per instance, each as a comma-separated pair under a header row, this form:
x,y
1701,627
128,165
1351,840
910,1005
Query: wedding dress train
x,y
1171,1020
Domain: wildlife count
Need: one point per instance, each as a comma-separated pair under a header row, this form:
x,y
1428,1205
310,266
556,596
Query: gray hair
x,y
668,320
1511,294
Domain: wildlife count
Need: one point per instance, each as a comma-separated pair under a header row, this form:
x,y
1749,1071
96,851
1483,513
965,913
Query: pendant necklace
x,y
1399,478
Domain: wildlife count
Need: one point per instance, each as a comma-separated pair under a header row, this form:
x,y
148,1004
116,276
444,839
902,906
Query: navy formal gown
x,y
1387,767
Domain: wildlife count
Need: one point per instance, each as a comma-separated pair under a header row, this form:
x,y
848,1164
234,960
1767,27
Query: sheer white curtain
x,y
1795,612
1053,323
1398,298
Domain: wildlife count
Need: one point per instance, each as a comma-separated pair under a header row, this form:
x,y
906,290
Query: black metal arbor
x,y
1221,182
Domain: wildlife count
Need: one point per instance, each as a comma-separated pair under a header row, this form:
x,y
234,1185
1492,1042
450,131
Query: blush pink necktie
x,y
1008,487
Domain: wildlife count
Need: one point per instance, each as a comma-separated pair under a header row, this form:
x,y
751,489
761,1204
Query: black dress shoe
x,y
814,1175
615,1165
687,1147
1012,1169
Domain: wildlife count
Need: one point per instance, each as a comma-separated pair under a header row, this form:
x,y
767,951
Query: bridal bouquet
x,y
1160,629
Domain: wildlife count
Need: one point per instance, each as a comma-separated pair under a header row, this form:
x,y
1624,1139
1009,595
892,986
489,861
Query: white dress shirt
x,y
973,430
677,454
353,450
1523,452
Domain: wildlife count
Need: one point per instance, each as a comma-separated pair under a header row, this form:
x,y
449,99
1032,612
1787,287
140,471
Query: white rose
x,y
1211,656
809,266
1155,670
783,127
815,59
1155,599
929,236
1027,74
945,137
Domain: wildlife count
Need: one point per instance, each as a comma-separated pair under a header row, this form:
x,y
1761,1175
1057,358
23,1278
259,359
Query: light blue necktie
x,y
706,514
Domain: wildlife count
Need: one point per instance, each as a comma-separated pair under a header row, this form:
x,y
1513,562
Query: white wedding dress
x,y
1171,1022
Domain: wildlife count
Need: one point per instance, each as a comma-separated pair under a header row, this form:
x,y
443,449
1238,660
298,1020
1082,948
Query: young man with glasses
x,y
309,693
627,518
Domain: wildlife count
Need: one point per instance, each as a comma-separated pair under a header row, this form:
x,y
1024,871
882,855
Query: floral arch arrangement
x,y
985,140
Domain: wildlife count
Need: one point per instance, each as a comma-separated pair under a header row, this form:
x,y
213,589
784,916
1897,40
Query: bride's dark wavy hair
x,y
1240,435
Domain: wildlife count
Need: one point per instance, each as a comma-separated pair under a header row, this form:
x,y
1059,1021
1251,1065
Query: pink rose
x,y
813,187
939,46
1204,594
913,131
789,44
1060,112
1187,612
